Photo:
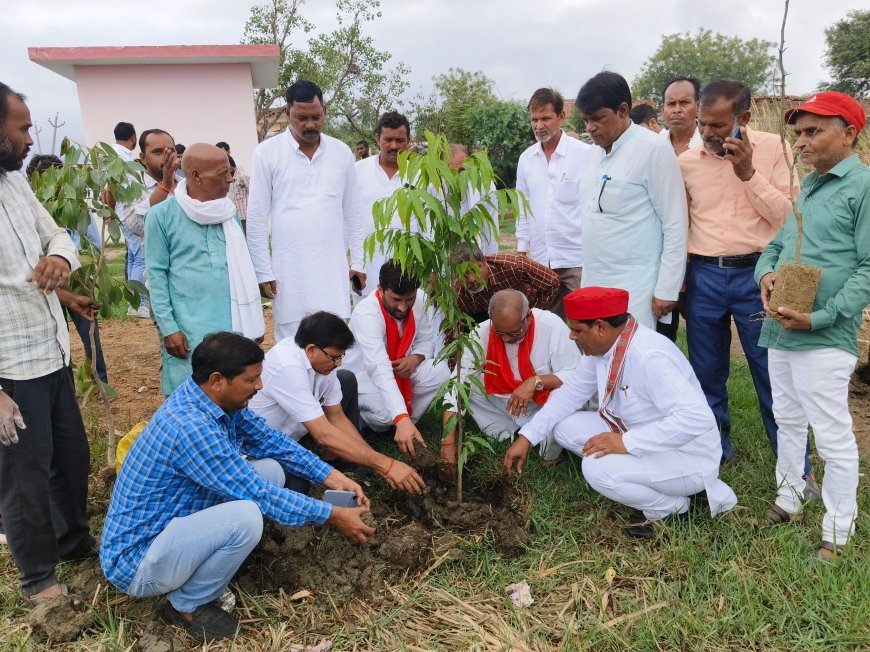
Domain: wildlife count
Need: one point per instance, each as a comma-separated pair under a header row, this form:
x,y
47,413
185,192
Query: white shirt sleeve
x,y
668,196
564,401
370,333
289,387
564,356
686,409
259,208
354,227
332,391
522,223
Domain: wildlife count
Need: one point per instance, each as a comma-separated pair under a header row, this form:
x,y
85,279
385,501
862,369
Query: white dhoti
x,y
286,329
658,484
425,382
491,415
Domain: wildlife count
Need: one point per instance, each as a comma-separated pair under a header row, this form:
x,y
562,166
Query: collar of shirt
x,y
624,137
294,144
208,406
840,170
561,146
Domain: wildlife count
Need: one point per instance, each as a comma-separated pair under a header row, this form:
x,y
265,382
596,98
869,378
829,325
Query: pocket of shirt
x,y
331,182
568,191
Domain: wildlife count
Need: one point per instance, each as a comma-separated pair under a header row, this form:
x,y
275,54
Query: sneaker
x,y
144,312
639,527
2,533
209,622
132,312
812,493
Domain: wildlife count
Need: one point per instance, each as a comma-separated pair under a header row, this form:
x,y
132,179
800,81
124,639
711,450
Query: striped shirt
x,y
34,338
513,272
191,456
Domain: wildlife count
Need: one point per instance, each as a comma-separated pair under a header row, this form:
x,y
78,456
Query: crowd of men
x,y
578,326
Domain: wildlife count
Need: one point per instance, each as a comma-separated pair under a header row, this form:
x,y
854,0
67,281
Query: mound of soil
x,y
61,619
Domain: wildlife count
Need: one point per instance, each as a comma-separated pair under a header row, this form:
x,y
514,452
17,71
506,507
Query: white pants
x,y
285,330
491,415
625,479
812,388
425,381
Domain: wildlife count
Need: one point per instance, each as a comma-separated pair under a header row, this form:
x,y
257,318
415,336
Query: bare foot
x,y
53,591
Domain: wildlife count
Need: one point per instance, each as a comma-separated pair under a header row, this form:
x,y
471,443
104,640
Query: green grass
x,y
720,584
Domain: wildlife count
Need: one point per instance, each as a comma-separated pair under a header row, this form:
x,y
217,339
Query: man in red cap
x,y
812,355
653,442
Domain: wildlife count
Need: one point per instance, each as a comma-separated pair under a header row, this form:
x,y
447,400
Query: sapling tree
x,y
439,209
70,193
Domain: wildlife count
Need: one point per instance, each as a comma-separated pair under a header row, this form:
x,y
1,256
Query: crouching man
x,y
188,505
653,442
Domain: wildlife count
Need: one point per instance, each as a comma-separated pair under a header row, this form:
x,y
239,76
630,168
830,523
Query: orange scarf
x,y
397,347
498,377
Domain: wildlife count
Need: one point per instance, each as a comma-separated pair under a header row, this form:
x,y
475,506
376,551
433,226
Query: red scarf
x,y
498,378
397,347
614,422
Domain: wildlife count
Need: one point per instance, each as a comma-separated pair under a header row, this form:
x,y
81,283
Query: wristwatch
x,y
539,384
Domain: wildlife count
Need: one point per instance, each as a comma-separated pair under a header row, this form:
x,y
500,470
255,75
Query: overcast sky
x,y
520,44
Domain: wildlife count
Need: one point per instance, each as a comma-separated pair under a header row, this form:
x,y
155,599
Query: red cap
x,y
831,103
595,303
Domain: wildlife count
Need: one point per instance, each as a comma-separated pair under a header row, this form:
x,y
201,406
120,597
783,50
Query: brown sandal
x,y
828,551
776,515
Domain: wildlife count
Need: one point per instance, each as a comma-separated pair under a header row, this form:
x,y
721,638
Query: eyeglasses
x,y
336,359
514,333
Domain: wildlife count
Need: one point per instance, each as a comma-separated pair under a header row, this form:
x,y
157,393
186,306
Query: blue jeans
x,y
135,258
196,556
713,296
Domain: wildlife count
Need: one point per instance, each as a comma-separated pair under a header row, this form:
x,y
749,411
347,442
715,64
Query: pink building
x,y
198,93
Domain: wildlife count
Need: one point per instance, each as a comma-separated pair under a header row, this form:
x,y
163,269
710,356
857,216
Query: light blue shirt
x,y
188,281
635,220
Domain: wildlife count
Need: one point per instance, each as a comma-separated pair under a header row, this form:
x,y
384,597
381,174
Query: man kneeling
x,y
305,392
653,442
188,505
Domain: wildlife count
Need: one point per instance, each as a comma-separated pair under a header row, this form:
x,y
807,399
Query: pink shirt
x,y
730,217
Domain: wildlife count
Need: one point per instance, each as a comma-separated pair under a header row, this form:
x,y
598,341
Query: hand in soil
x,y
338,480
793,320
404,478
406,435
516,456
349,522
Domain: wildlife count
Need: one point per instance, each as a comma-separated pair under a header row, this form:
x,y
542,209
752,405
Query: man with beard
x,y
634,217
378,177
528,355
304,197
680,111
393,361
737,186
44,455
362,150
201,275
188,506
158,156
653,442
549,173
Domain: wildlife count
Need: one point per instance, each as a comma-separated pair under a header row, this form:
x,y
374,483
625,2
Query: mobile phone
x,y
356,284
340,498
734,134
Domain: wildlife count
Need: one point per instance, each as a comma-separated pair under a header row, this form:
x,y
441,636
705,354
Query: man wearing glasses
x,y
394,360
529,354
634,204
305,393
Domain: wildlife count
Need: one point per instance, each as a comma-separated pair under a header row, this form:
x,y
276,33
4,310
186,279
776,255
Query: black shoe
x,y
89,551
209,623
640,527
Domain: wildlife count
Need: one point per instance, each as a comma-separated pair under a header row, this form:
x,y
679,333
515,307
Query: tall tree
x,y
502,127
444,111
847,57
707,55
357,84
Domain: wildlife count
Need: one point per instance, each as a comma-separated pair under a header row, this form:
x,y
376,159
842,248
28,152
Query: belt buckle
x,y
720,259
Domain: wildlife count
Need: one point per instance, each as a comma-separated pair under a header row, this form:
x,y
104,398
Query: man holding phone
x,y
188,506
737,186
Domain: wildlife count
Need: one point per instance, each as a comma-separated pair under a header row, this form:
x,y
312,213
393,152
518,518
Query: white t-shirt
x,y
293,392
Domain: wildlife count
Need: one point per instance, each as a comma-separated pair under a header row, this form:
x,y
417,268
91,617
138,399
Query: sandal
x,y
776,515
828,551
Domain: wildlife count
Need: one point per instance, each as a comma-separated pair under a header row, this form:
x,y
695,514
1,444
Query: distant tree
x,y
847,57
706,55
357,84
444,111
502,128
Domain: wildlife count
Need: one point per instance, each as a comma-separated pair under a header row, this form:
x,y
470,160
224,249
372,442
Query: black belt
x,y
727,262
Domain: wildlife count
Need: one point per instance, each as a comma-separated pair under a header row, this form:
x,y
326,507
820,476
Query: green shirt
x,y
836,211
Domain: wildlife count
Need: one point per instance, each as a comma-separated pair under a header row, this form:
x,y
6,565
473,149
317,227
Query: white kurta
x,y
670,426
488,241
313,211
552,353
552,234
374,184
379,396
293,392
635,220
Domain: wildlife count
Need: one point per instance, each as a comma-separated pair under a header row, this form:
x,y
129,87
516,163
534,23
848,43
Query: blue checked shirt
x,y
189,458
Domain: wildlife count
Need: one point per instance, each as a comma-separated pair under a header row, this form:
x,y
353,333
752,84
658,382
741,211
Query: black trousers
x,y
44,479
